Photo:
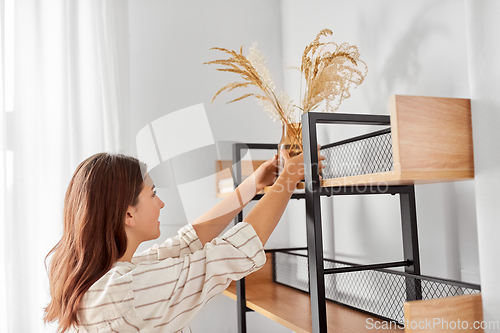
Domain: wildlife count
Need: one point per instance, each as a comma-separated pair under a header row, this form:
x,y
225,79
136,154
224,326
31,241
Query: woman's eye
x,y
154,193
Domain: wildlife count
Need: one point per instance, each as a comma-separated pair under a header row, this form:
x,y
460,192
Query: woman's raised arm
x,y
214,221
268,211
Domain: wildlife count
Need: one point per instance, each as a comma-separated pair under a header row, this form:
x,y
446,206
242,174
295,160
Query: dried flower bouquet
x,y
329,71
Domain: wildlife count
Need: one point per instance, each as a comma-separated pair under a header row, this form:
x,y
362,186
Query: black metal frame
x,y
407,276
313,192
313,210
357,138
242,308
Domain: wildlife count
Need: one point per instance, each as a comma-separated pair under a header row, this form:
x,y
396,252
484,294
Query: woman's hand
x,y
294,166
320,164
268,211
265,175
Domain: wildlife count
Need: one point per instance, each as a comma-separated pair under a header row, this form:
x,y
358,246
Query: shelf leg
x,y
242,306
241,300
313,224
410,241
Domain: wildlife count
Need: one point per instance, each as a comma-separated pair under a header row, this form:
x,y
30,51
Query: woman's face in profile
x,y
147,212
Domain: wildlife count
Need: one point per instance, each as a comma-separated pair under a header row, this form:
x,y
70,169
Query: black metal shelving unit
x,y
242,308
313,214
313,192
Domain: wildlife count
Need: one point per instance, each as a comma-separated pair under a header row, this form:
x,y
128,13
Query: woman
x,y
111,207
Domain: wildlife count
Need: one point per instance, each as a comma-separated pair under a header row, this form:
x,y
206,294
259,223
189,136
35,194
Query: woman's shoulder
x,y
109,298
119,276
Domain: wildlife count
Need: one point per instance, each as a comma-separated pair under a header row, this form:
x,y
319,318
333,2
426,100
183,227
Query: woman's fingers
x,y
284,155
320,158
272,160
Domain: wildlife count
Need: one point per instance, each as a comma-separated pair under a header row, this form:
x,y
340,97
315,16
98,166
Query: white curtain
x,y
61,90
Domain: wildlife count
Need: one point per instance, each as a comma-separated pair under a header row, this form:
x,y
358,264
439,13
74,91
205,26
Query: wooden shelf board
x,y
392,178
300,186
292,308
431,143
463,308
223,195
401,178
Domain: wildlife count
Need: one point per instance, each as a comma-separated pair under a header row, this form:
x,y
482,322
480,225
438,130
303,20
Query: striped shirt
x,y
165,286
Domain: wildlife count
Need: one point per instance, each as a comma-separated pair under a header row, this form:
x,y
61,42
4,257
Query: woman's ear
x,y
129,217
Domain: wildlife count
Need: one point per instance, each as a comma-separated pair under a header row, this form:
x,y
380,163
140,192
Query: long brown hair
x,y
94,238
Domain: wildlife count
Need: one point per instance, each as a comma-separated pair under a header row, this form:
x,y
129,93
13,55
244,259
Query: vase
x,y
291,141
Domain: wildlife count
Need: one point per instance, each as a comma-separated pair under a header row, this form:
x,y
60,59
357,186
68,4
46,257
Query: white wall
x,y
169,42
415,48
484,50
412,48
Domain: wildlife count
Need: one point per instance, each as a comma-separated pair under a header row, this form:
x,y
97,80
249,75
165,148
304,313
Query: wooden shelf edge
x,y
340,318
223,195
267,314
291,307
230,294
403,178
300,189
387,178
463,308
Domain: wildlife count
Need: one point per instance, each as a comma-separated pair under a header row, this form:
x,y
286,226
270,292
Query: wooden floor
x,y
292,308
